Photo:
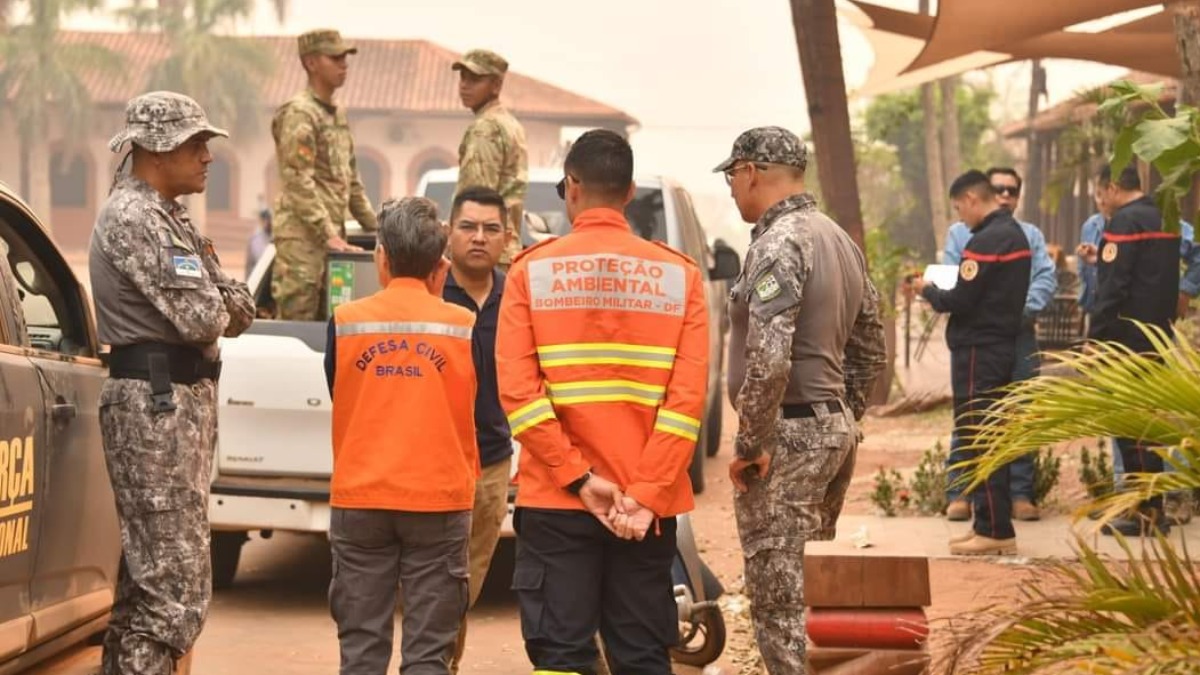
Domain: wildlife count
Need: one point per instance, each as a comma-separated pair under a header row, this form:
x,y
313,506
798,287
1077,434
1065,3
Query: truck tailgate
x,y
274,408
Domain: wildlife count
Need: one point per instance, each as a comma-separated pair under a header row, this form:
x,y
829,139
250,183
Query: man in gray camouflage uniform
x,y
805,348
162,301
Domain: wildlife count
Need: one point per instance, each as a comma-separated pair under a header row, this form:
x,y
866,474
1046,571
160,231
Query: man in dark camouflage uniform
x,y
805,348
318,177
162,301
492,153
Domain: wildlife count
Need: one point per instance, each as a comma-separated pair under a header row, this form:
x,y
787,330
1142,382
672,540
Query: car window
x,y
53,308
695,245
442,194
645,212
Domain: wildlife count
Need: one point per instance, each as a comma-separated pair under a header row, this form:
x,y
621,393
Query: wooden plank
x,y
891,662
855,578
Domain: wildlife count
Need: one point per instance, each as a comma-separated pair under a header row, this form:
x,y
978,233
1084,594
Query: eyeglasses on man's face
x,y
561,187
1010,190
729,173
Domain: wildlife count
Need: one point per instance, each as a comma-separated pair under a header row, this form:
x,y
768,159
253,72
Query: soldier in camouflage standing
x,y
805,348
319,180
492,153
162,300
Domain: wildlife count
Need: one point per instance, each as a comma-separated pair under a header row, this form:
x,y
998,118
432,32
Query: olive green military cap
x,y
324,41
482,62
161,121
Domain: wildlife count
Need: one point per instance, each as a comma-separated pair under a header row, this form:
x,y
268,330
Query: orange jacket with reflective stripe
x,y
404,403
602,355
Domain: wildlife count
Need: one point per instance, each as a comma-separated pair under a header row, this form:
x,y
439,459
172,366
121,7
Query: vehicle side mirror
x,y
726,263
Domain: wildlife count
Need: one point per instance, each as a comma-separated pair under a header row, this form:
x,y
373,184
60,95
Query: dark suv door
x,y
23,452
78,543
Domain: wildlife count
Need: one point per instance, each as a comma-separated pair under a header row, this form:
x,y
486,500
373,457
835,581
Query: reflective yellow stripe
x,y
409,327
606,391
606,353
680,425
530,415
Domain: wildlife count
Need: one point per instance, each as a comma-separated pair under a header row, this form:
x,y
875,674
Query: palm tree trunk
x,y
1031,204
939,216
1187,41
39,180
815,25
951,150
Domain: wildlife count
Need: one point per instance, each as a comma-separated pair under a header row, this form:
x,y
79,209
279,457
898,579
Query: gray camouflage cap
x,y
770,145
162,121
482,62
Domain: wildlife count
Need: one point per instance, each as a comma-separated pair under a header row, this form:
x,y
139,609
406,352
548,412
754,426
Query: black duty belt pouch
x,y
161,365
161,397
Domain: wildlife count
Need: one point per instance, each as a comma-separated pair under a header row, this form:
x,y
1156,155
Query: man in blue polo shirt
x,y
1042,285
477,239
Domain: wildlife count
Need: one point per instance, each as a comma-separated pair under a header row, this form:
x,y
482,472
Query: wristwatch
x,y
576,485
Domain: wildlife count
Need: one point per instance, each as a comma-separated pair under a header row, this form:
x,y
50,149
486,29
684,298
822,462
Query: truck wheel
x,y
712,426
696,470
701,640
226,551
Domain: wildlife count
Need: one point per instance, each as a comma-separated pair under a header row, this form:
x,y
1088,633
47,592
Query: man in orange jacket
x,y
404,456
602,356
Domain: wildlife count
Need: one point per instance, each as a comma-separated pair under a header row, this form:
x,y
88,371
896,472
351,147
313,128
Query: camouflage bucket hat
x,y
162,121
769,145
325,41
482,62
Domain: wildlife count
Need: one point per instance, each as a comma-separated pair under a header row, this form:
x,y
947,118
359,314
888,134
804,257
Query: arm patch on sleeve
x,y
767,288
772,294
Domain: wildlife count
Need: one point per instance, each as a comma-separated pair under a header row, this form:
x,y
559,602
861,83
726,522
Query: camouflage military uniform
x,y
319,183
156,280
805,348
493,153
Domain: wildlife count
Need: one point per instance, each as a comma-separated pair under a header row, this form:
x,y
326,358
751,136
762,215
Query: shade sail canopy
x,y
898,37
965,26
894,50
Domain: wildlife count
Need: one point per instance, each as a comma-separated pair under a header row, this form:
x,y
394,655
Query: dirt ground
x,y
958,586
275,618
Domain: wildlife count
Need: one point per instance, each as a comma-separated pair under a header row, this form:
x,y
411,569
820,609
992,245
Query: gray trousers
x,y
374,552
799,501
160,464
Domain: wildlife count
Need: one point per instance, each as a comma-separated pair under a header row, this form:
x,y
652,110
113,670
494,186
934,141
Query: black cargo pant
x,y
976,375
574,577
1138,458
425,554
160,465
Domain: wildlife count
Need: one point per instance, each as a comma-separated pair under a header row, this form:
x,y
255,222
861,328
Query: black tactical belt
x,y
173,363
793,411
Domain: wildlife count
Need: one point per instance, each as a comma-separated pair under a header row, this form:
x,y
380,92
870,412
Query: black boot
x,y
1137,525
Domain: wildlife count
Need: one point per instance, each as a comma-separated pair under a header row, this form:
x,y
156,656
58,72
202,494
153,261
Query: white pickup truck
x,y
274,458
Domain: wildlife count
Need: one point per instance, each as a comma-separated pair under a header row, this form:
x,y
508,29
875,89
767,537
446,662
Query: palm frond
x,y
1096,617
1111,391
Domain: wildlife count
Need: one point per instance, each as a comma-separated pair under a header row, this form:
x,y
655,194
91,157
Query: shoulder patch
x,y
969,269
767,287
1109,253
187,266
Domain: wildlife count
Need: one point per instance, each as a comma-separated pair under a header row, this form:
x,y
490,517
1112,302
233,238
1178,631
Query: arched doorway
x,y
430,159
71,197
375,174
220,194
